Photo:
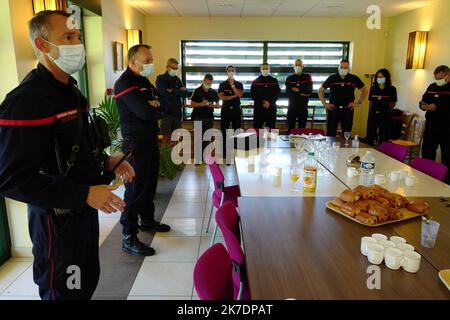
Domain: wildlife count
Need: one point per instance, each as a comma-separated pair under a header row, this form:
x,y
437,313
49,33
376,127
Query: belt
x,y
231,107
342,107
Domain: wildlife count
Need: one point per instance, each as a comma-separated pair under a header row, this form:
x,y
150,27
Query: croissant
x,y
418,207
366,218
380,212
349,196
364,192
351,209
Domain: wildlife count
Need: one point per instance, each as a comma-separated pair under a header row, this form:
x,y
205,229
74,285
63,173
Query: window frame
x,y
274,69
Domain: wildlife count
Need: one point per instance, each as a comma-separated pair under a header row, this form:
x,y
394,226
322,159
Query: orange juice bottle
x,y
310,179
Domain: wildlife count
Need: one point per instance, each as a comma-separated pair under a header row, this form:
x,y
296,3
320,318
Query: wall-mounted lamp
x,y
417,47
134,37
41,5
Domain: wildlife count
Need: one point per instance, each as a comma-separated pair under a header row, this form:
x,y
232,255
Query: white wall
x,y
411,84
117,18
95,59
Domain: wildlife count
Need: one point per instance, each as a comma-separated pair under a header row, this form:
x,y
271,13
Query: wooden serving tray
x,y
407,215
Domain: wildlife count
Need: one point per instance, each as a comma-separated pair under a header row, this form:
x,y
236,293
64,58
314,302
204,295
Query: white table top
x,y
426,186
261,181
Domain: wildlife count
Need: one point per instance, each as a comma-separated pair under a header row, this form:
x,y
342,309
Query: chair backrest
x,y
407,120
417,130
307,131
213,274
217,176
227,219
394,150
432,168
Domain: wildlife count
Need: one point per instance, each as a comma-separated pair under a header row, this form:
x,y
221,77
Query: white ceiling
x,y
273,8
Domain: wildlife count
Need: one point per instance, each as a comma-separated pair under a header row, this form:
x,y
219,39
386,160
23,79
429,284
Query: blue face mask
x,y
381,80
172,72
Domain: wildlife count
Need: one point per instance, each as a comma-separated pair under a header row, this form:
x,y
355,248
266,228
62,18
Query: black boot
x,y
154,226
131,244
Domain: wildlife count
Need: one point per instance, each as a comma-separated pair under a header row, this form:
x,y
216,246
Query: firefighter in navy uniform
x,y
172,92
382,97
341,106
265,92
299,87
436,103
43,123
230,92
139,111
203,101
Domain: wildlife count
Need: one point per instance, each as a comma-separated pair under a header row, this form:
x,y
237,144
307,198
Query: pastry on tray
x,y
374,205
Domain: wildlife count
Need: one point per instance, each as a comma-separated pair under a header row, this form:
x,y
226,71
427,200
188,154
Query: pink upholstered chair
x,y
228,220
213,274
393,150
432,168
221,193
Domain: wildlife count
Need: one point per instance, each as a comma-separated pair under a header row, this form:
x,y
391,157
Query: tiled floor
x,y
166,275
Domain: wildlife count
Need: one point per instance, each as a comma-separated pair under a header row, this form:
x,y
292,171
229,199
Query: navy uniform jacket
x,y
138,119
440,96
198,96
304,83
31,117
265,88
171,102
227,90
342,91
382,98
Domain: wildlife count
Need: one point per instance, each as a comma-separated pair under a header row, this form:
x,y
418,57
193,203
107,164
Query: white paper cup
x,y
395,176
386,244
410,181
397,240
405,247
393,258
411,261
365,242
375,253
403,174
380,179
379,237
278,171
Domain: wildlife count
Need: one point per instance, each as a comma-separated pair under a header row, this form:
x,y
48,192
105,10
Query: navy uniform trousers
x,y
140,193
62,244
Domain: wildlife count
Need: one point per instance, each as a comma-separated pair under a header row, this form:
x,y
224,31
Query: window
x,y
321,59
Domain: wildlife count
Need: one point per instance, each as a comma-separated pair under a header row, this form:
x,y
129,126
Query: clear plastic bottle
x,y
367,170
310,178
355,142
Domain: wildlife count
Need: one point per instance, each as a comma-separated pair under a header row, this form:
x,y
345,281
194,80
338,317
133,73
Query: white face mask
x,y
230,75
148,70
72,58
298,69
265,73
441,82
381,80
172,72
207,86
343,72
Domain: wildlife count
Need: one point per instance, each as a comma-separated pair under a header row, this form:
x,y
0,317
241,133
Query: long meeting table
x,y
297,248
